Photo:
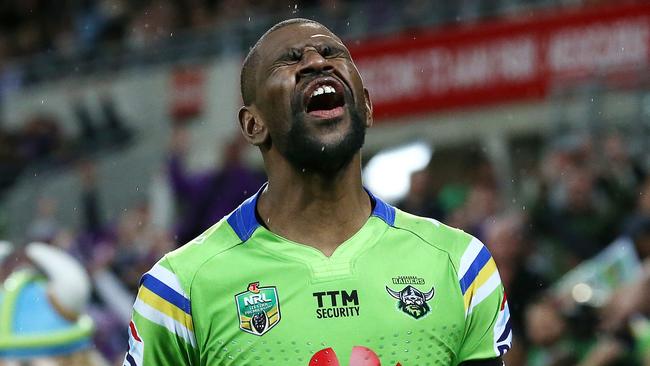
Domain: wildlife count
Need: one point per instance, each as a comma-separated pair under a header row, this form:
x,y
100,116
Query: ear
x,y
369,118
252,127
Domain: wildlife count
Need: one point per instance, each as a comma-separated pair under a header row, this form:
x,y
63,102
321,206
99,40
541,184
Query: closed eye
x,y
290,57
328,51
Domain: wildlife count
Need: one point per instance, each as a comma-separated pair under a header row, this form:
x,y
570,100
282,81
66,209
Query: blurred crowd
x,y
574,254
77,32
41,144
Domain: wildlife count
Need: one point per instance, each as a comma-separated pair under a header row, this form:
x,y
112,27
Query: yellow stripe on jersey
x,y
484,274
165,307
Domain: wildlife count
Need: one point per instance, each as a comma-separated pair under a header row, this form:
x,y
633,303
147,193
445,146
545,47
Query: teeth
x,y
318,91
323,89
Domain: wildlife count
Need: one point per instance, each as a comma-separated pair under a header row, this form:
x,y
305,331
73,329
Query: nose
x,y
313,63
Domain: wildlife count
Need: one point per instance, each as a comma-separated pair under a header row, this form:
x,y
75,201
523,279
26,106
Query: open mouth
x,y
324,98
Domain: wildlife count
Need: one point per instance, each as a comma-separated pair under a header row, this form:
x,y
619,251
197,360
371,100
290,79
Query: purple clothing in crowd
x,y
205,198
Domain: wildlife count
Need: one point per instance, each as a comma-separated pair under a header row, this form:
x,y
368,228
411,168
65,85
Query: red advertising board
x,y
187,97
501,61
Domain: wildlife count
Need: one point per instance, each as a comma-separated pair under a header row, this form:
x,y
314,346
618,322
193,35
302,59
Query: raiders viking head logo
x,y
412,301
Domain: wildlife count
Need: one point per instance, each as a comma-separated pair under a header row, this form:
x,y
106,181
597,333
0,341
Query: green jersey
x,y
404,290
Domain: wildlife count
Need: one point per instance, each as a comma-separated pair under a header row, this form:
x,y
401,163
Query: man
x,y
313,269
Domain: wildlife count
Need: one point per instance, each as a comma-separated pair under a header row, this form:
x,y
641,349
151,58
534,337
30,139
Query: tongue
x,y
327,113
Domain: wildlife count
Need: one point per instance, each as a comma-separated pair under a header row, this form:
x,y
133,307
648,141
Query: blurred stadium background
x,y
524,122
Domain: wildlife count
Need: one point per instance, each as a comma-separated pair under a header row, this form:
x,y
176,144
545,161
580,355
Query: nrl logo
x,y
412,301
258,309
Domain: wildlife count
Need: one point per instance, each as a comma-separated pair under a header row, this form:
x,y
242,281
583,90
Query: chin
x,y
323,145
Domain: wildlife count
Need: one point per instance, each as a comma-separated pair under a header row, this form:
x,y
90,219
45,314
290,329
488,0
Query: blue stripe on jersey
x,y
481,259
506,332
383,210
503,349
243,220
130,359
166,292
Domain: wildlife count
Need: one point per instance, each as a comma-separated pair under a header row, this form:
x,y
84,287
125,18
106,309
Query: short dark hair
x,y
247,77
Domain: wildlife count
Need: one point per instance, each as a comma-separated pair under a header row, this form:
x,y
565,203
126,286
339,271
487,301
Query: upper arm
x,y
161,331
488,334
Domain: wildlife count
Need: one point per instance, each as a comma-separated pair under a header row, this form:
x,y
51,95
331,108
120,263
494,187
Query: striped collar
x,y
244,219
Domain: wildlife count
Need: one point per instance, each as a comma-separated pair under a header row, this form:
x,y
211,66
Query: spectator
x,y
420,199
513,249
206,197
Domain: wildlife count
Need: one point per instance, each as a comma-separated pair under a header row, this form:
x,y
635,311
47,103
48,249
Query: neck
x,y
315,209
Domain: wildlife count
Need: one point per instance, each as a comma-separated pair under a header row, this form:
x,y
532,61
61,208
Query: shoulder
x,y
185,261
455,242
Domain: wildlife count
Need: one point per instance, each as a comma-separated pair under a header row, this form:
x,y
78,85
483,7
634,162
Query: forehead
x,y
296,35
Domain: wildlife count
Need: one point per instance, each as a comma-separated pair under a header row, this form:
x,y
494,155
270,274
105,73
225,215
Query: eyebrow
x,y
283,53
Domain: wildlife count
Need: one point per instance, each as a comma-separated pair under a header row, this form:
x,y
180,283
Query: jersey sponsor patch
x,y
412,301
361,356
336,304
258,309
